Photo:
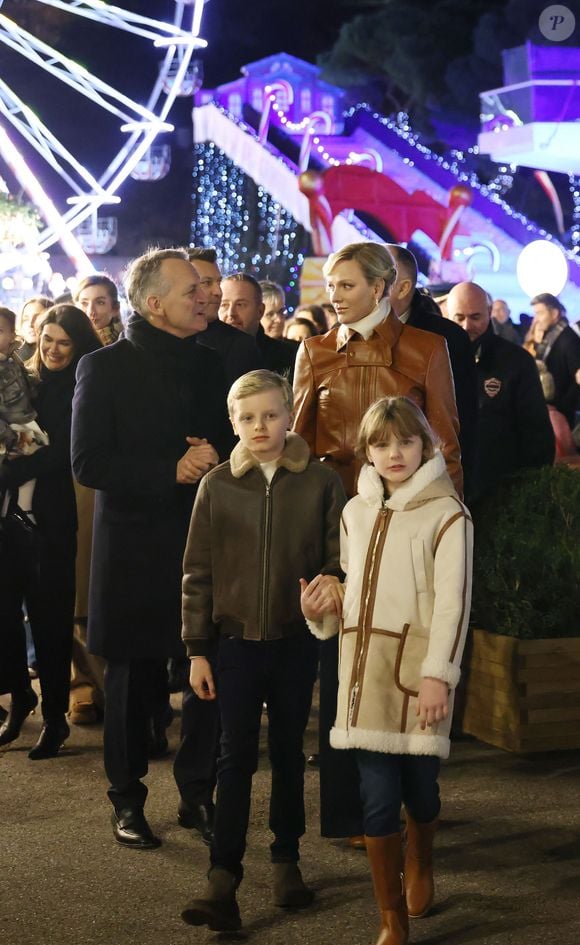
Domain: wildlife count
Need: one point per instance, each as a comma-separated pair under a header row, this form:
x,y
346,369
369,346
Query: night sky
x,y
237,31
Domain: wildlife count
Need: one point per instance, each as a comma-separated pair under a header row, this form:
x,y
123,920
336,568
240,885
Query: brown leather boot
x,y
419,886
386,862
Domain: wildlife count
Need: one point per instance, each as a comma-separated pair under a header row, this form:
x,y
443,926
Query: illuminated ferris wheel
x,y
138,125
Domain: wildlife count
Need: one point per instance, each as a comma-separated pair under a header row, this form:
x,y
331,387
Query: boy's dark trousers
x,y
280,673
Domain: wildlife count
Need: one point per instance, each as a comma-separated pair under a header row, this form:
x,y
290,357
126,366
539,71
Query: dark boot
x,y
289,887
217,907
386,862
52,737
21,705
419,888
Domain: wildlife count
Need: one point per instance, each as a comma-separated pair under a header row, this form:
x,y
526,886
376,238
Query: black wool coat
x,y
562,361
514,426
135,403
425,314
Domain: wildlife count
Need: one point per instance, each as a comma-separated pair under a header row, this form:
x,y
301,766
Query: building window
x,y
257,99
306,101
327,104
282,100
235,104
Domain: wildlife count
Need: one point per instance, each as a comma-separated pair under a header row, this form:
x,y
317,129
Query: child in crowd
x,y
261,522
406,549
19,431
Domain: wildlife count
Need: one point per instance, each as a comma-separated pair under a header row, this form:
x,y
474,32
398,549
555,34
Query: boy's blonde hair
x,y
398,415
374,259
255,382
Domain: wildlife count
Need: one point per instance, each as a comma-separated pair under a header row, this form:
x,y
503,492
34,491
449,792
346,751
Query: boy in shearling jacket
x,y
261,522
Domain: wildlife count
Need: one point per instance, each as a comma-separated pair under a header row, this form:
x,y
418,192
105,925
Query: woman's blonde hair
x,y
255,382
398,415
374,259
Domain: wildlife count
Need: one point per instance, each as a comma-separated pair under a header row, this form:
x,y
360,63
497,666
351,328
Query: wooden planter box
x,y
523,695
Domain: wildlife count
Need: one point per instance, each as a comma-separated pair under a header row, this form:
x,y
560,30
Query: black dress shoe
x,y
131,829
52,738
21,705
197,817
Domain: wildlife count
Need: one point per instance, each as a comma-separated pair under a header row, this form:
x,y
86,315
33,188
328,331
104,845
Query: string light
x,y
251,231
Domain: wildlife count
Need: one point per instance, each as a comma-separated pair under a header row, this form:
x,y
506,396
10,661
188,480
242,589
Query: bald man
x,y
514,427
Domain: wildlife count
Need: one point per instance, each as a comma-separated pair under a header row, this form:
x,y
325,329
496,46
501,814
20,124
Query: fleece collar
x,y
295,457
417,489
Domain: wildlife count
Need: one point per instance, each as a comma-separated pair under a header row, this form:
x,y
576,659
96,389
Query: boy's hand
x,y
433,701
201,678
322,596
200,457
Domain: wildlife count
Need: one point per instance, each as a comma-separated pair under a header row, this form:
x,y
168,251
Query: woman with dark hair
x,y
315,314
37,553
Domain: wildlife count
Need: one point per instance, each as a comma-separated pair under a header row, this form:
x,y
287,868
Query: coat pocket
x,y
412,651
418,555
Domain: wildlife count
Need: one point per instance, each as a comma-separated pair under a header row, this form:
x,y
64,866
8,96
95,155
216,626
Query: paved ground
x,y
508,858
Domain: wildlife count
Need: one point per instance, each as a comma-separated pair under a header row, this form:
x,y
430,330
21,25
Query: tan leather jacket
x,y
335,382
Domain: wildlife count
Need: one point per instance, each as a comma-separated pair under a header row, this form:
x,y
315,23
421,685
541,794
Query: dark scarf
x,y
547,343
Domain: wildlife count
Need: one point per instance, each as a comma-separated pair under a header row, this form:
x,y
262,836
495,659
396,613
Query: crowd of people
x,y
211,488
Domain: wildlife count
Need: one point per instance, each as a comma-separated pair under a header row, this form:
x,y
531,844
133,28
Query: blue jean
x,y
387,781
280,673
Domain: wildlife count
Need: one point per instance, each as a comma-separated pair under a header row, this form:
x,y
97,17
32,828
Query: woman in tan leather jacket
x,y
367,355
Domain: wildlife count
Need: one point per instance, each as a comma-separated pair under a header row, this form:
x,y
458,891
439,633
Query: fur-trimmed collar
x,y
430,481
295,457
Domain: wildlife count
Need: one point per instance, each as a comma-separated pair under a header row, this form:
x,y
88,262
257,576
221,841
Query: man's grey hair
x,y
143,278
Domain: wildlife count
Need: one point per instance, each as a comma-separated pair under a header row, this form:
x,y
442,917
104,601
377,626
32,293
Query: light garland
x,y
19,222
250,230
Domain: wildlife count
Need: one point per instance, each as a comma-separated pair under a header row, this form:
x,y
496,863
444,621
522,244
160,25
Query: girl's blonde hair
x,y
256,382
374,259
398,415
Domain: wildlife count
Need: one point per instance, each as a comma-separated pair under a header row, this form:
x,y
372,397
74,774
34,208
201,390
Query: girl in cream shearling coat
x,y
406,549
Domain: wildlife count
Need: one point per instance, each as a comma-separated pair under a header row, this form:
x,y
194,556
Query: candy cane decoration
x,y
459,198
358,157
313,119
311,183
281,85
545,182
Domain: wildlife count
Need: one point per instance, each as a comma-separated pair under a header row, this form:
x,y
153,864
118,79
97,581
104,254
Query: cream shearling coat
x,y
408,561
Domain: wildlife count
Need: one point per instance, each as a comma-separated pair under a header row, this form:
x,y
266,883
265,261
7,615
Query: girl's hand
x,y
433,701
322,596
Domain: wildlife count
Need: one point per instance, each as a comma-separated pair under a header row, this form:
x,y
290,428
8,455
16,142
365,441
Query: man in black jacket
x,y
560,352
418,309
237,349
242,307
514,427
149,419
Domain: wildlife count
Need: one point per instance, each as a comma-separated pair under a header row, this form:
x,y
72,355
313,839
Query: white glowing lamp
x,y
542,267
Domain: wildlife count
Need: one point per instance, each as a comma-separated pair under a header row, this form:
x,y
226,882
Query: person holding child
x,y
280,510
37,550
406,549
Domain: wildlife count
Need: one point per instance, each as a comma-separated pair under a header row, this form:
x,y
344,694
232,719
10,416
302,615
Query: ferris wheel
x,y
138,125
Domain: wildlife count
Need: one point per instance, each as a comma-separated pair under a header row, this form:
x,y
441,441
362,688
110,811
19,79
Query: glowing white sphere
x,y
542,267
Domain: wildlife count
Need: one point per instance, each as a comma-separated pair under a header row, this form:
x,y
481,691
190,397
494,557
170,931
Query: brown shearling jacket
x,y
335,382
250,542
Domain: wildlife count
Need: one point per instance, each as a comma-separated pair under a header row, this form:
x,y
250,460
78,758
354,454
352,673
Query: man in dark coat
x,y
560,352
242,307
514,427
502,323
237,349
149,419
415,308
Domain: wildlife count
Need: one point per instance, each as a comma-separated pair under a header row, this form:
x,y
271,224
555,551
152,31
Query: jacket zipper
x,y
263,613
385,515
